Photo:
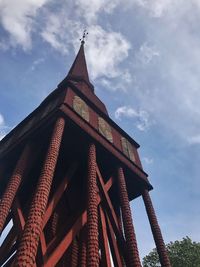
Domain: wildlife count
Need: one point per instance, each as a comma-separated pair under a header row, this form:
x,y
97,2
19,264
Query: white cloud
x,y
3,127
61,31
169,88
156,8
169,91
147,160
18,20
141,116
194,140
160,8
122,83
1,120
36,63
105,51
90,9
147,53
55,31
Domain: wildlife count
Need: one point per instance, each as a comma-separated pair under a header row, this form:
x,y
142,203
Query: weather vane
x,y
85,33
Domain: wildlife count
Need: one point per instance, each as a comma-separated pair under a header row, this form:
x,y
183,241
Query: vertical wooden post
x,y
132,250
82,248
105,253
54,223
160,245
118,212
74,255
92,211
13,185
27,249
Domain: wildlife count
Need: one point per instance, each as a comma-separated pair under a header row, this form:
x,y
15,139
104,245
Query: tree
x,y
184,253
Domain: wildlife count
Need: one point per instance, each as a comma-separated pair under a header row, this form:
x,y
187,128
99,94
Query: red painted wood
x,y
54,233
66,241
58,194
83,247
111,213
18,215
94,134
58,252
27,249
110,208
114,246
8,243
13,185
160,245
105,248
132,250
74,253
92,210
43,246
119,219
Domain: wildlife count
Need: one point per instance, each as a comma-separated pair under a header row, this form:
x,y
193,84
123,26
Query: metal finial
x,y
85,33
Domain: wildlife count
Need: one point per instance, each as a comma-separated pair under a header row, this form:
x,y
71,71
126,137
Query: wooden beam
x,y
43,245
107,200
8,243
111,213
9,263
104,238
19,220
113,245
58,252
59,192
66,241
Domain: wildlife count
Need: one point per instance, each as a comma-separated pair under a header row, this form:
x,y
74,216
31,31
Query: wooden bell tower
x,y
67,175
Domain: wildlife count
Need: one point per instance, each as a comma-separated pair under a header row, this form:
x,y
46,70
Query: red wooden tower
x,y
68,173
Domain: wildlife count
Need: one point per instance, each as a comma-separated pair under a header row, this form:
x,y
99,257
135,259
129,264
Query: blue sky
x,y
143,59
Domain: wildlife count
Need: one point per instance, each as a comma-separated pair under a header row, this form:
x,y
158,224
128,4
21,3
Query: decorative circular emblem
x,y
81,108
105,129
127,149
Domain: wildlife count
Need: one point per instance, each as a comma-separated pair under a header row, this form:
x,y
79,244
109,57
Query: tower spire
x,y
79,66
78,70
85,33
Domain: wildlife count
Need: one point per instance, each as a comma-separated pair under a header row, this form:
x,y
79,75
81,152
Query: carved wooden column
x,y
13,185
160,245
82,248
92,211
132,250
27,249
54,223
74,255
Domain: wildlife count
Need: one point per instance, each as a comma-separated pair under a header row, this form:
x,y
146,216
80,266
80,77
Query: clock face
x,y
127,149
105,129
81,108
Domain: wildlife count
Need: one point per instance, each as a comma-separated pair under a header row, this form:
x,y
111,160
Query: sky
x,y
144,60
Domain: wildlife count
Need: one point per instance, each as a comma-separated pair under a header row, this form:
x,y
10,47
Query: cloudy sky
x,y
144,60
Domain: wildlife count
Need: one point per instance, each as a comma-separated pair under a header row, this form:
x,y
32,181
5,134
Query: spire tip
x,y
85,33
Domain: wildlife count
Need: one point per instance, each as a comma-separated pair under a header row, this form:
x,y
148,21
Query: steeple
x,y
78,71
79,67
78,78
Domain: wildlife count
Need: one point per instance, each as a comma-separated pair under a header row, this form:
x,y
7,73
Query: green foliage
x,y
184,253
